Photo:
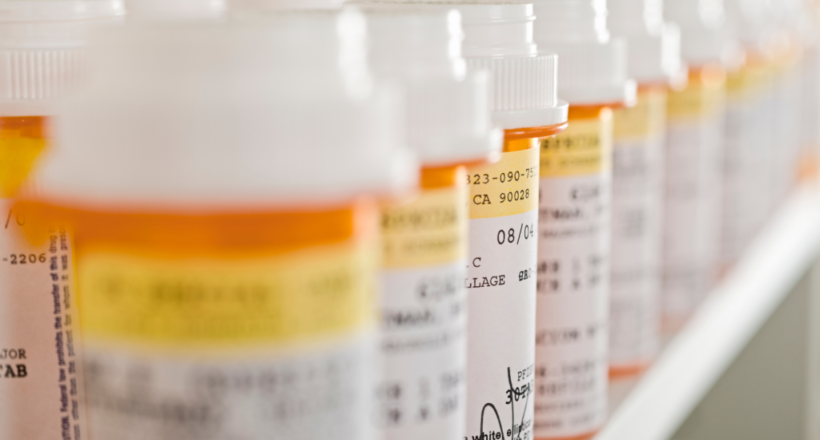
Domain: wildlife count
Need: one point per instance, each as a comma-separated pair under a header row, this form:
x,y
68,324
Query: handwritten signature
x,y
514,394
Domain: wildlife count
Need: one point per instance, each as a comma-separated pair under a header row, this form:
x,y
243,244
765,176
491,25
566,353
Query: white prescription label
x,y
786,112
501,297
637,204
746,177
571,368
423,317
691,198
312,392
278,346
41,390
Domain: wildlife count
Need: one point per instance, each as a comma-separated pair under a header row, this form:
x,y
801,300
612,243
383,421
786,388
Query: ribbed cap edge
x,y
38,74
520,83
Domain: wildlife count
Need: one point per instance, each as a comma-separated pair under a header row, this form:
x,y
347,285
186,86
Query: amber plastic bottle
x,y
692,205
573,273
637,203
226,281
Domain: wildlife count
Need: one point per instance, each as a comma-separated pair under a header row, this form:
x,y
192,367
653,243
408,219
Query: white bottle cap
x,y
704,38
200,117
175,9
41,50
654,45
593,66
499,39
448,109
786,32
786,13
747,21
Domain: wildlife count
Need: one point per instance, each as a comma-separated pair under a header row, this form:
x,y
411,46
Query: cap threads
x,y
520,83
38,75
499,39
41,52
593,67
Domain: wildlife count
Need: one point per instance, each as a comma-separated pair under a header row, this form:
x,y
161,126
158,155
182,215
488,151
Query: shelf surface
x,y
654,406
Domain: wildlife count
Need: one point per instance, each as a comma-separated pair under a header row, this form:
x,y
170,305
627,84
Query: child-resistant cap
x,y
747,22
704,38
498,39
654,45
41,46
447,107
200,117
593,65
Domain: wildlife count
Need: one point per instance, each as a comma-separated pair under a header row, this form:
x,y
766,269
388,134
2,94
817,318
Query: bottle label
x,y
41,388
501,296
430,230
691,216
787,145
571,366
219,347
423,312
746,160
637,203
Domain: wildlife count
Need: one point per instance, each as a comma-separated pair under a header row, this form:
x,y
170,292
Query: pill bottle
x,y
637,184
788,49
503,210
503,216
747,171
693,155
574,217
222,209
41,59
423,298
809,155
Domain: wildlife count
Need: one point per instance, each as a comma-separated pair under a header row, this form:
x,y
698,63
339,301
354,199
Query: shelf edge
x,y
731,316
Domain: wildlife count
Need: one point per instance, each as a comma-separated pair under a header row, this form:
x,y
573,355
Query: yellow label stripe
x,y
221,302
695,101
583,149
505,188
428,230
647,118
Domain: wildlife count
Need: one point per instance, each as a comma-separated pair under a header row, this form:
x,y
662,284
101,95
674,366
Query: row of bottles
x,y
445,220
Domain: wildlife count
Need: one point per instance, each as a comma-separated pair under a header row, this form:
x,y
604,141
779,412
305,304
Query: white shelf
x,y
654,406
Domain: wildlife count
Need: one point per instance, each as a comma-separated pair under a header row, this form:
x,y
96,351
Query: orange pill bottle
x,y
423,325
41,394
503,219
694,158
638,185
571,369
226,230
